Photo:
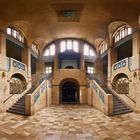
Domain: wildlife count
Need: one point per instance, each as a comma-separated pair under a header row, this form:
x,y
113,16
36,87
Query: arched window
x,y
121,33
35,48
15,33
88,51
70,45
103,47
50,51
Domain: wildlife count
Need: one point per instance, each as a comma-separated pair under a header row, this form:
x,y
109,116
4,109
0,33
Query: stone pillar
x,y
4,67
99,69
135,67
40,66
108,104
26,59
3,60
112,58
82,62
136,50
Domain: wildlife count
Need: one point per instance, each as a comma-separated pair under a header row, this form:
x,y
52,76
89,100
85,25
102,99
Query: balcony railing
x,y
15,65
125,63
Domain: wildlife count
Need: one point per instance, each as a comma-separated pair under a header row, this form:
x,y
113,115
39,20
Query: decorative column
x,y
99,69
136,50
112,58
3,60
82,61
26,59
4,67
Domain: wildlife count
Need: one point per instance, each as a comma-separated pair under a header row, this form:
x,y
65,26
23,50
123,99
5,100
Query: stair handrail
x,y
32,88
38,82
124,94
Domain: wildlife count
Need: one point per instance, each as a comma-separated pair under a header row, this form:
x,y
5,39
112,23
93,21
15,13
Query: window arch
x,y
34,48
69,45
15,33
121,33
88,51
50,51
103,47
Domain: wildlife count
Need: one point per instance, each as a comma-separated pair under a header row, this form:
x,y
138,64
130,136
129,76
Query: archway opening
x,y
69,92
121,84
69,67
18,84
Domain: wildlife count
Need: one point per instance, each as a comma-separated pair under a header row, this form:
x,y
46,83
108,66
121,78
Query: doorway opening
x,y
69,92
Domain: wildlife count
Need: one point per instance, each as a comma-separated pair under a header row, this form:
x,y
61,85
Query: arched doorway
x,y
121,83
18,84
69,91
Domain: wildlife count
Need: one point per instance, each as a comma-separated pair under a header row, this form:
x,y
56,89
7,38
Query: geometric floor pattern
x,y
70,122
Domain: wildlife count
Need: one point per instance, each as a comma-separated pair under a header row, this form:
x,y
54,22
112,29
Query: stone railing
x,y
15,66
125,63
102,100
60,74
36,100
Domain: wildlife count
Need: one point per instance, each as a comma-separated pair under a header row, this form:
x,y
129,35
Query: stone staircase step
x,y
119,107
122,112
18,107
16,112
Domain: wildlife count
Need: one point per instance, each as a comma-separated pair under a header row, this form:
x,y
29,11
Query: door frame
x,y
60,90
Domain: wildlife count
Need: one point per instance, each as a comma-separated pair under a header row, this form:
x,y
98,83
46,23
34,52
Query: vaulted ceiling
x,y
48,20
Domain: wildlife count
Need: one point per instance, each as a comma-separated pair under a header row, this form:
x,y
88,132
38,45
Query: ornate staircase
x,y
119,106
19,107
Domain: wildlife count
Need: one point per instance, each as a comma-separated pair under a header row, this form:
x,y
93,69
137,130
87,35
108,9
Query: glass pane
x,y
62,46
69,44
9,31
52,49
88,71
91,71
105,46
75,46
91,53
118,37
91,68
14,33
129,31
22,39
46,53
86,49
123,34
47,71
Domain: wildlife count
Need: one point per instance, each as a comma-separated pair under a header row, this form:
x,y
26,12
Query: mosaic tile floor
x,y
70,122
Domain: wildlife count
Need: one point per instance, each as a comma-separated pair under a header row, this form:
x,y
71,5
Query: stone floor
x,y
70,122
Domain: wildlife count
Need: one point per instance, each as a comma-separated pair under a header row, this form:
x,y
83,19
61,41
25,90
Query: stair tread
x,y
119,107
18,107
12,108
16,112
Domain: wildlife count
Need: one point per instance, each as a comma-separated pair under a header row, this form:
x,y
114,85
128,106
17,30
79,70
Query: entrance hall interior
x,y
70,70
